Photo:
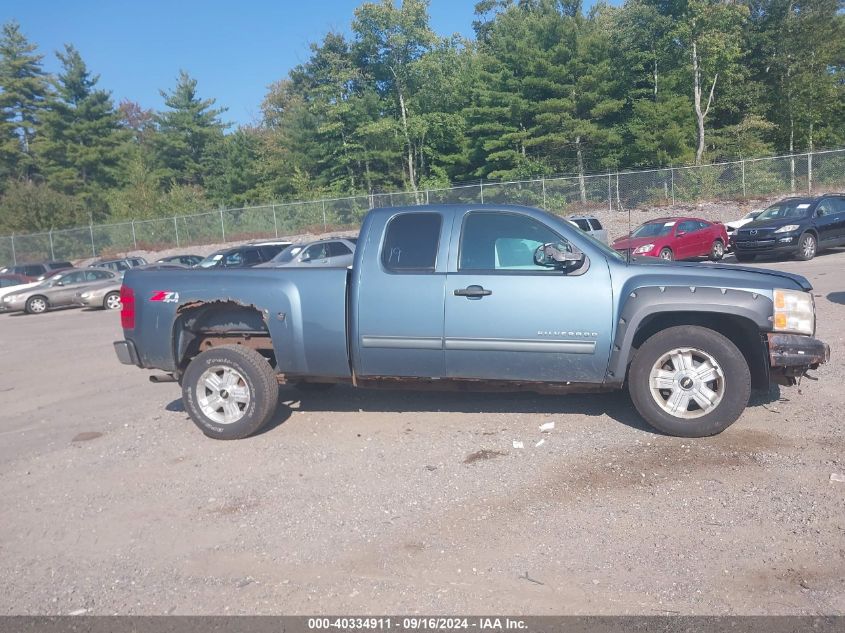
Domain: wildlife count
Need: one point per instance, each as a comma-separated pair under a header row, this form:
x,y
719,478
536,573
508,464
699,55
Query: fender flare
x,y
645,302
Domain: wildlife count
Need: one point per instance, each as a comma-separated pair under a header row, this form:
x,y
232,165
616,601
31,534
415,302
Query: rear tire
x,y
689,381
717,250
667,254
230,392
807,246
36,305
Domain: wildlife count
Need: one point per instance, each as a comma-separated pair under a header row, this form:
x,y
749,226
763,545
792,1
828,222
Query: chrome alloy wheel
x,y
687,383
223,395
808,247
113,302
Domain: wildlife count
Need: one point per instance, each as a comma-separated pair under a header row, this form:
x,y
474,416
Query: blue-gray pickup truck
x,y
474,297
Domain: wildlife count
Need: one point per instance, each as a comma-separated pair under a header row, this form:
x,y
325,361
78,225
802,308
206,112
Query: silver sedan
x,y
57,291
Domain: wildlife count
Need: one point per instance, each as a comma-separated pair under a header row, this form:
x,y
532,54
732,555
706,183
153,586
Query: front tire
x,y
230,392
807,247
667,254
717,250
689,381
36,305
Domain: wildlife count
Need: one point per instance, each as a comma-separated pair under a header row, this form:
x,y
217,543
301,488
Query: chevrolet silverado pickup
x,y
474,297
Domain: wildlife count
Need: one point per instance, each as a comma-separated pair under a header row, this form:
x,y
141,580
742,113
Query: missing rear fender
x,y
742,332
201,325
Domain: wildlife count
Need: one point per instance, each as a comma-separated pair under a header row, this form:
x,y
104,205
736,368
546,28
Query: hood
x,y
774,223
691,268
624,243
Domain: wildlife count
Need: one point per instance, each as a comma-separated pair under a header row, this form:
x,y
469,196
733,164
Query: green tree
x,y
23,93
187,132
82,144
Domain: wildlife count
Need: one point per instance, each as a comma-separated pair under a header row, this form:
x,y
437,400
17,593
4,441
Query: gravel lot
x,y
397,502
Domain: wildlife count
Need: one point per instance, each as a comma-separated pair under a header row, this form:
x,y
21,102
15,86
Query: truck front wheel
x,y
230,392
689,381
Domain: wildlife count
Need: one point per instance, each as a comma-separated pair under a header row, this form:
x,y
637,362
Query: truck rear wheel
x,y
230,392
689,381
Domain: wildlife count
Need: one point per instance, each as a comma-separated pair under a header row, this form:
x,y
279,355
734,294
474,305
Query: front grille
x,y
754,243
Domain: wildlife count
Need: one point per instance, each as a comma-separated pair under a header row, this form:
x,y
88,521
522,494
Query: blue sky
x,y
234,49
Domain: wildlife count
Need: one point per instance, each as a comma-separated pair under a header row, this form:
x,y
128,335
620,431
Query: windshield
x,y
211,261
786,209
653,229
288,254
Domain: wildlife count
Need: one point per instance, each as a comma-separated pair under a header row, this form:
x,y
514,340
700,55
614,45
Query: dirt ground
x,y
359,502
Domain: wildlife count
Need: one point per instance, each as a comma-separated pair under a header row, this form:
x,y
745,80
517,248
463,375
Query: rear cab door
x,y
397,303
508,318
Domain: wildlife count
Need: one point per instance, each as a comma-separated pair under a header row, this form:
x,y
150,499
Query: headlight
x,y
85,295
795,312
787,229
645,248
9,298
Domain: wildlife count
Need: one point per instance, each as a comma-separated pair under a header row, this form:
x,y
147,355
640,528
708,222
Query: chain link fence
x,y
665,191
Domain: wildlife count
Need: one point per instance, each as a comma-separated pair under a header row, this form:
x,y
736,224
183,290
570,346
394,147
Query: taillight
x,y
127,310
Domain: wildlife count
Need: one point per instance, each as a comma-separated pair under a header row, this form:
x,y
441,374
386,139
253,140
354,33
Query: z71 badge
x,y
165,296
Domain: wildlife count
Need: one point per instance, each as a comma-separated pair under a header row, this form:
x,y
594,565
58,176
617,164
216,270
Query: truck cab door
x,y
397,308
510,318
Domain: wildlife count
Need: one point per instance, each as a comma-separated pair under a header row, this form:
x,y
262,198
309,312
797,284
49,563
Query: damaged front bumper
x,y
792,355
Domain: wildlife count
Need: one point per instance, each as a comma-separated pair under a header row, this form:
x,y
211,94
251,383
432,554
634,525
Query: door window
x,y
688,226
825,208
595,224
252,257
503,241
411,241
338,249
314,252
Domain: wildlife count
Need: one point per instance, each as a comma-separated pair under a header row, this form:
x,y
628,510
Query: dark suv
x,y
38,271
799,226
244,256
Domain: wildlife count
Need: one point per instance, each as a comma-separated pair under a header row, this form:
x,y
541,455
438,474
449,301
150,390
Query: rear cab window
x,y
411,243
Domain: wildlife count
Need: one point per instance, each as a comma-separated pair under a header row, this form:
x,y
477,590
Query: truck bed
x,y
294,304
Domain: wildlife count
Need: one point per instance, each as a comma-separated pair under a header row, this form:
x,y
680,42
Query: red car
x,y
675,238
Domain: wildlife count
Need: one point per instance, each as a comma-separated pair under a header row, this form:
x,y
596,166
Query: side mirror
x,y
558,256
819,213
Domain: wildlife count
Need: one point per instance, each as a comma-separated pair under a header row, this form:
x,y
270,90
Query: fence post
x,y
134,239
809,173
481,183
222,226
52,253
325,224
743,177
176,230
426,196
275,223
609,195
543,181
618,201
14,256
672,172
91,231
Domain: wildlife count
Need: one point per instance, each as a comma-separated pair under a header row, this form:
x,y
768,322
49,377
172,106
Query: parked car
x,y
798,227
106,294
675,238
59,290
590,225
185,260
244,256
475,296
120,265
731,227
11,282
336,251
39,271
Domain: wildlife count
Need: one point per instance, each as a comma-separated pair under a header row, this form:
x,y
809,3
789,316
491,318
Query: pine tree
x,y
23,92
82,144
187,132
